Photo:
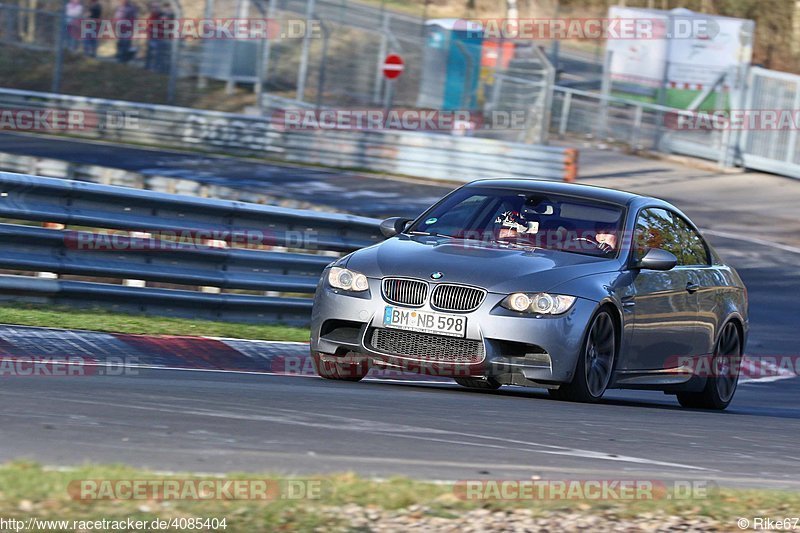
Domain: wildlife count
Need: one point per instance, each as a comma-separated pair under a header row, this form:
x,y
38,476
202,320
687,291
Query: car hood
x,y
496,269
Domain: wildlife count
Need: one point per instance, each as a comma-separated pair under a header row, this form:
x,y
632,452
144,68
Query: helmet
x,y
514,221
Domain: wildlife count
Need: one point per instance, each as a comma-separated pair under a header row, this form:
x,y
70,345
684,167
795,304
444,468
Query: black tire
x,y
595,362
725,364
350,367
478,383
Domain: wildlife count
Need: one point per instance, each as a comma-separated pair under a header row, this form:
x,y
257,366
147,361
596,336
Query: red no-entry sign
x,y
393,66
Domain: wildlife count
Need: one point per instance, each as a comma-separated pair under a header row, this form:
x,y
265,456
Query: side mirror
x,y
394,225
657,259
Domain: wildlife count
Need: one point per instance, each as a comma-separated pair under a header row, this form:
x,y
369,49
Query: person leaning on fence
x,y
93,12
126,12
72,15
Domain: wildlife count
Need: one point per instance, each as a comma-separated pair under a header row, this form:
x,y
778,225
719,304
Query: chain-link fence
x,y
335,61
320,54
341,68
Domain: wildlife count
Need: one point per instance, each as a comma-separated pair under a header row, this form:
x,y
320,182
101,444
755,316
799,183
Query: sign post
x,y
392,67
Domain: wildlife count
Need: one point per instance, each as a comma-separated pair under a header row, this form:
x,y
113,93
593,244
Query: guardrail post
x,y
214,243
50,225
137,282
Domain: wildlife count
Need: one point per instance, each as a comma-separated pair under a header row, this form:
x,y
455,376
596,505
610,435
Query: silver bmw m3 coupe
x,y
573,288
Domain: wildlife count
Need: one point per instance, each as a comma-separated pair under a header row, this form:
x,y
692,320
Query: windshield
x,y
524,218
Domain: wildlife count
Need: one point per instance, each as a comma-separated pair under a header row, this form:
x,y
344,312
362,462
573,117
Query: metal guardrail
x,y
138,255
410,153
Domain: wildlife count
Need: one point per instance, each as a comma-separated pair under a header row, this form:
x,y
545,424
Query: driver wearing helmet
x,y
512,225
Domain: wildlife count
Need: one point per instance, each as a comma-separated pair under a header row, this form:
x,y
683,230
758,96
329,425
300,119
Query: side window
x,y
694,247
655,228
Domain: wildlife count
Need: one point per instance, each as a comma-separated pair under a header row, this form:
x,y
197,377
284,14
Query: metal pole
x,y
382,51
303,71
547,105
174,60
555,46
59,59
388,98
741,98
322,63
605,91
637,127
791,146
745,100
662,101
208,13
267,48
662,94
259,74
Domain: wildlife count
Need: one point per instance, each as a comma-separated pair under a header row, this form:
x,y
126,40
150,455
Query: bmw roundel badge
x,y
436,275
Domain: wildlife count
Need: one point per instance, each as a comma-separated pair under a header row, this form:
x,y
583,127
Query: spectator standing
x,y
124,20
155,36
72,15
164,51
94,12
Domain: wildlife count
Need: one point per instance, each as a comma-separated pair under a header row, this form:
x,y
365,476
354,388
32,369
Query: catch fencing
x,y
643,126
775,151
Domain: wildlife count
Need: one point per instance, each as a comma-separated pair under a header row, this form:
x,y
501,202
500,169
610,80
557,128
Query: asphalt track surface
x,y
218,421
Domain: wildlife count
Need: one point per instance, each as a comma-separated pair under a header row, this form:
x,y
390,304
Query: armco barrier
x,y
410,153
313,238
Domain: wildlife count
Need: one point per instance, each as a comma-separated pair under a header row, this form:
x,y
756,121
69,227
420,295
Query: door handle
x,y
692,287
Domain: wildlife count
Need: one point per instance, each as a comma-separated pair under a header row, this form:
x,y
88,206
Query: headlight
x,y
347,280
540,303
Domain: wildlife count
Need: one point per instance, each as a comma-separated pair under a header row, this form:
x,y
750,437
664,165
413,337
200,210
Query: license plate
x,y
424,321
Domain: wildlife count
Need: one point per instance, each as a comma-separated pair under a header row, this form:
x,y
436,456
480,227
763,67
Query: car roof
x,y
602,194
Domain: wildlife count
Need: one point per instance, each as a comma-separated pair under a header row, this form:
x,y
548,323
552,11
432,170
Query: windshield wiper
x,y
430,234
518,245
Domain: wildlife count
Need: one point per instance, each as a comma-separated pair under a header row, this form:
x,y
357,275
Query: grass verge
x,y
29,490
55,317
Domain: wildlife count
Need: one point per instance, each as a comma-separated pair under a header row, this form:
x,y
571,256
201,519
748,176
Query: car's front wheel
x,y
725,365
350,367
595,362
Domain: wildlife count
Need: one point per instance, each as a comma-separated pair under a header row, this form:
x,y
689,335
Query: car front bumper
x,y
516,348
